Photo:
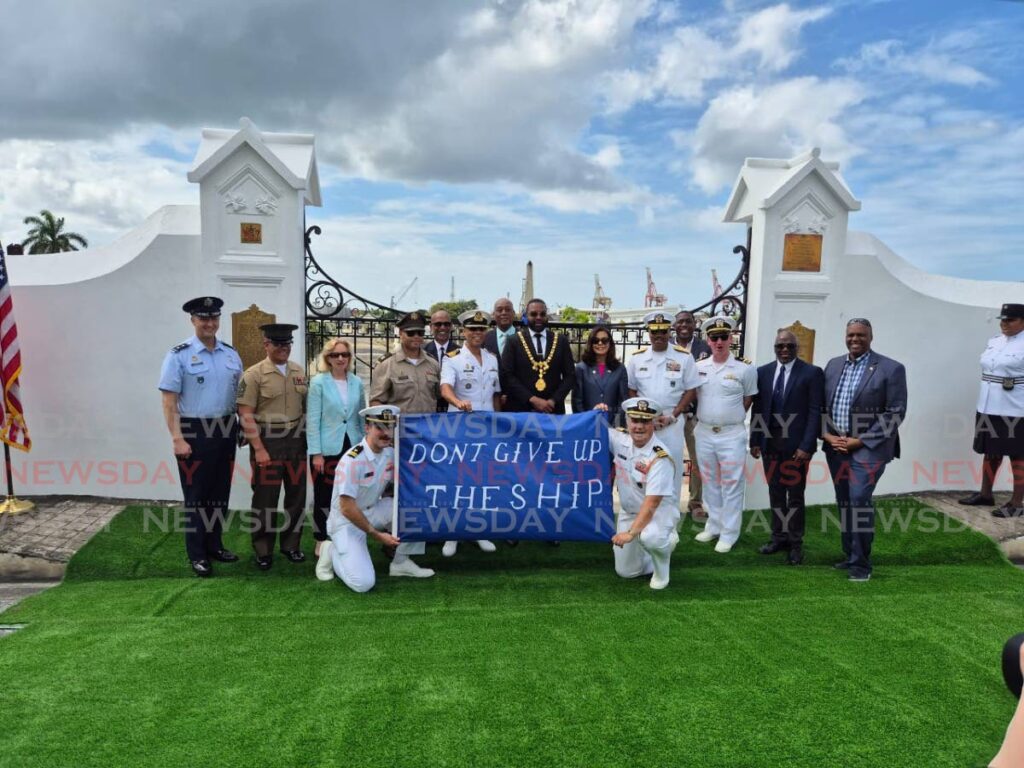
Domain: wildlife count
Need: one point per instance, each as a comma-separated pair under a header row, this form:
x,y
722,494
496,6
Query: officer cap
x,y
279,332
413,321
1012,312
718,324
385,415
204,306
475,318
657,321
640,408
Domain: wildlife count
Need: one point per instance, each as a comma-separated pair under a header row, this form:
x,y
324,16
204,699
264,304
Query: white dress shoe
x,y
324,564
705,536
486,546
409,568
721,547
448,550
657,583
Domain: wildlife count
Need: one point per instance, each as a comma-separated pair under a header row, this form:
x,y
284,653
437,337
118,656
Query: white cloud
x,y
934,62
772,34
780,120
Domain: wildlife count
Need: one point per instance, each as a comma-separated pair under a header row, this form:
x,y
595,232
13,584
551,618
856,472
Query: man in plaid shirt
x,y
865,403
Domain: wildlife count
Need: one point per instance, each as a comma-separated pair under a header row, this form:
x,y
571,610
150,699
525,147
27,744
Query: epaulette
x,y
746,360
677,348
453,353
620,429
355,451
183,345
641,350
227,345
660,452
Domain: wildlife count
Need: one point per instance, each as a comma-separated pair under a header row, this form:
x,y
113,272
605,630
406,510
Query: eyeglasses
x,y
536,314
602,340
442,325
787,345
718,337
334,355
414,333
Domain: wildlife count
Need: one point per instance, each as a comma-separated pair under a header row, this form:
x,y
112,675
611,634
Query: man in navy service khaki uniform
x,y
197,385
999,421
360,509
666,375
649,505
470,382
272,409
728,388
409,378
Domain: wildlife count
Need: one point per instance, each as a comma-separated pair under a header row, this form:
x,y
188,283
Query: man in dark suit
x,y
785,424
865,403
537,369
685,327
441,345
504,329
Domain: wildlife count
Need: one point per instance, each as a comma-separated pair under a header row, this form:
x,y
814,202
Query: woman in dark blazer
x,y
600,377
333,425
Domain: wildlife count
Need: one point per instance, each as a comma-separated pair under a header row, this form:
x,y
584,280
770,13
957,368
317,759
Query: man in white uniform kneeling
x,y
359,509
648,499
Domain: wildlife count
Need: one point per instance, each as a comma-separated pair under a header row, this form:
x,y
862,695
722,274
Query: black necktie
x,y
779,391
540,345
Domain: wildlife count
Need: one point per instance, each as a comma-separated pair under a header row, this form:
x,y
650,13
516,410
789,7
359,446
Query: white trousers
x,y
674,438
722,457
637,558
350,554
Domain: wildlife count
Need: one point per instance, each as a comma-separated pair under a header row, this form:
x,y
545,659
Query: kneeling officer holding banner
x,y
645,479
359,509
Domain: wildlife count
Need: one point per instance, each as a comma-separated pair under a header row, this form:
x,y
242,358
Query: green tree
x,y
46,235
453,308
573,315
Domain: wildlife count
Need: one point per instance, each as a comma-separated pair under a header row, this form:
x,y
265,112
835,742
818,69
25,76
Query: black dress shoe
x,y
201,568
389,551
771,548
843,566
225,556
1007,511
511,542
796,556
977,500
263,562
294,555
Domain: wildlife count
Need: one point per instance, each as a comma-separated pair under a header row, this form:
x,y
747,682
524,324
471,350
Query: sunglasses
x,y
442,325
537,314
602,340
281,343
787,345
335,355
414,333
718,337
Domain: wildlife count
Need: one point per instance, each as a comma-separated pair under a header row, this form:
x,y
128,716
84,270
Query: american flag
x,y
13,430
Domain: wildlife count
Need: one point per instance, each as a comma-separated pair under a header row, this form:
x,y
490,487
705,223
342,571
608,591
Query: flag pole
x,y
12,505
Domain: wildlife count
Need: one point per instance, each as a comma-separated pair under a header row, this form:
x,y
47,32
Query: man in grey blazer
x,y
865,403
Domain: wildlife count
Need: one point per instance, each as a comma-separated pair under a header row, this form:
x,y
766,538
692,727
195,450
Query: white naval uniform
x,y
641,472
362,475
721,437
663,378
476,382
1002,358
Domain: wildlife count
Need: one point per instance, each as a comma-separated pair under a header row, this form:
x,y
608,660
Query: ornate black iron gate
x,y
333,311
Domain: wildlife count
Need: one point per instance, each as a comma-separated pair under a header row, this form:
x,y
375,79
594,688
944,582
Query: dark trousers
x,y
855,480
787,480
206,482
287,469
323,489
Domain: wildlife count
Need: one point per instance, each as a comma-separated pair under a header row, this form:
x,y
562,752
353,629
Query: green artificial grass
x,y
531,656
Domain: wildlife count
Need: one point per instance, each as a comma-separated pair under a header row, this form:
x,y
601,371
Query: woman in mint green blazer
x,y
333,424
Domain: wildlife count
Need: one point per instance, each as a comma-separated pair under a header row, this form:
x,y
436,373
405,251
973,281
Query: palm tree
x,y
46,235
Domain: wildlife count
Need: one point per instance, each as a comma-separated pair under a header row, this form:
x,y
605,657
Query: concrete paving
x,y
1008,533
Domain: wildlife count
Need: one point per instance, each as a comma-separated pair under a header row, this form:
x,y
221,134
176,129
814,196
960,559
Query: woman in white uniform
x,y
469,382
999,422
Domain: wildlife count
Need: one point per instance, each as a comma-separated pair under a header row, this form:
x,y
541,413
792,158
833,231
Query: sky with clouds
x,y
459,138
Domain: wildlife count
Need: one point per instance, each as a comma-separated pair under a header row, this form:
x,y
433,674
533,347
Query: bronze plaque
x,y
805,338
246,336
801,253
252,233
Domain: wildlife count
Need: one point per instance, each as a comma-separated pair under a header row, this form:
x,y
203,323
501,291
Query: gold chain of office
x,y
540,366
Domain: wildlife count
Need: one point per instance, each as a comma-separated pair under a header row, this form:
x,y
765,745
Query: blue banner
x,y
481,475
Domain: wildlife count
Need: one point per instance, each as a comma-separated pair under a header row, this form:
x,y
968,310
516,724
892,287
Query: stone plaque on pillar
x,y
805,338
801,253
246,336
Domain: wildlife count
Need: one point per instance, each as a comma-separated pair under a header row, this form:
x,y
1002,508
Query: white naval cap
x,y
640,408
386,415
718,323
